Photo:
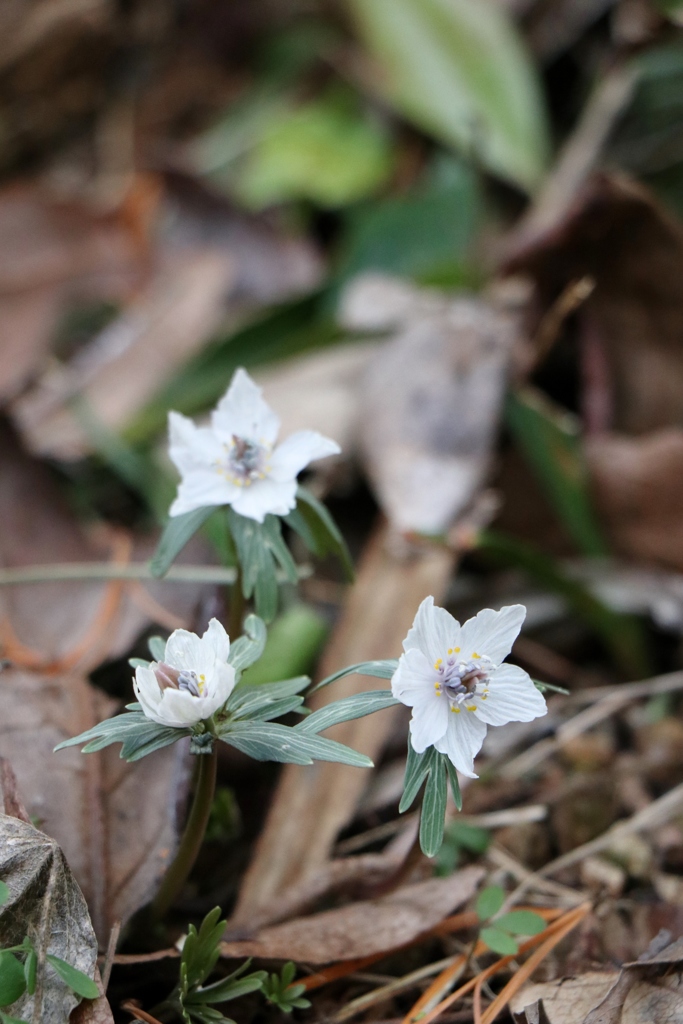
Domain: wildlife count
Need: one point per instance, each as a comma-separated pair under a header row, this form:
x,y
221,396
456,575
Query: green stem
x,y
193,836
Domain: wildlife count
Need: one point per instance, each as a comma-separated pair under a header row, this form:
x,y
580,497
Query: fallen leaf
x,y
116,833
430,399
637,485
631,325
364,928
46,903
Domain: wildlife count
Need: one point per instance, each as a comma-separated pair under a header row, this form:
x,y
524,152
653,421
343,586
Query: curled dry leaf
x,y
364,928
430,399
46,904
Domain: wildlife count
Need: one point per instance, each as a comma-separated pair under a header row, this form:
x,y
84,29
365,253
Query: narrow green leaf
x,y
30,969
4,893
249,647
227,989
245,699
6,1019
498,941
453,779
356,706
550,439
157,648
460,71
378,669
80,983
521,922
178,531
12,980
433,812
418,767
268,741
319,531
489,902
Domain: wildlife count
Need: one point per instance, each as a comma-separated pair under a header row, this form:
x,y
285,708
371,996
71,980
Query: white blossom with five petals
x,y
192,682
236,460
454,679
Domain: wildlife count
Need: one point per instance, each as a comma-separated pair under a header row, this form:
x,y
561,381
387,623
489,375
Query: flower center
x,y
463,682
170,678
246,461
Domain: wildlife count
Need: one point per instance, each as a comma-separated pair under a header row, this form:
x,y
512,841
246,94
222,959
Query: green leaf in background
x,y
12,981
179,530
327,151
418,767
318,530
294,641
550,439
4,893
521,922
80,983
425,234
460,72
433,811
30,971
489,902
499,941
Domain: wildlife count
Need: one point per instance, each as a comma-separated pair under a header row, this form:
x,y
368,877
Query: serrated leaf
x,y
499,941
460,71
433,812
489,902
78,982
378,669
179,530
248,648
356,706
267,741
12,980
521,922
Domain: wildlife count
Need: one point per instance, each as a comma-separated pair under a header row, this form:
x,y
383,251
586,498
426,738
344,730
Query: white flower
x,y
192,681
453,678
236,461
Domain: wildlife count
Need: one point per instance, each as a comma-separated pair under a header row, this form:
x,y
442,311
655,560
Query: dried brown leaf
x,y
430,399
45,903
364,928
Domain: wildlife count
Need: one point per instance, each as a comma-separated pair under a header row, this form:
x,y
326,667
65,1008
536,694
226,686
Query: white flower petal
x,y
242,412
221,686
184,650
147,692
192,447
180,709
433,632
264,496
295,453
492,633
512,697
429,721
413,681
201,488
217,639
462,740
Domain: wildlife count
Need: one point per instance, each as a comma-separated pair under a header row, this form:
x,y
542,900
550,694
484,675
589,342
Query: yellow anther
x,y
475,655
438,662
483,696
471,707
457,710
456,650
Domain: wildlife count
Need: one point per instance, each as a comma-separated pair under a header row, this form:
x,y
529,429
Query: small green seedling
x,y
460,837
500,932
281,992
